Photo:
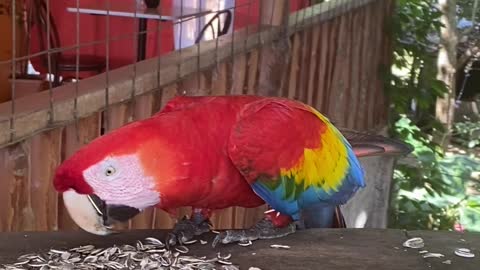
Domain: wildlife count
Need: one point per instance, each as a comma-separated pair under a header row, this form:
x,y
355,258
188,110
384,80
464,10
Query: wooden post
x,y
274,59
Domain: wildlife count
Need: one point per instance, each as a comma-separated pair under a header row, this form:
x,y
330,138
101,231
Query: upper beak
x,y
85,213
94,215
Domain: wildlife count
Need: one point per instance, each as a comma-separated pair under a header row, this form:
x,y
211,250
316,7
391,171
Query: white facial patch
x,y
121,180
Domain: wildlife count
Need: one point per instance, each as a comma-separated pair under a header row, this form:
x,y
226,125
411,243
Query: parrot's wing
x,y
366,144
293,156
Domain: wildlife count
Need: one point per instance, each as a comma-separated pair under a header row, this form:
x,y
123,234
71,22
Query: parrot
x,y
215,152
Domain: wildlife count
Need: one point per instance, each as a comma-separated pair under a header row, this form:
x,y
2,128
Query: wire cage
x,y
101,64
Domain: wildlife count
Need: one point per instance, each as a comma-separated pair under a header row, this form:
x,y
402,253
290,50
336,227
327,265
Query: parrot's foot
x,y
265,229
186,229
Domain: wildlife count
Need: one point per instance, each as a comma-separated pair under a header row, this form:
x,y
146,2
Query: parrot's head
x,y
110,179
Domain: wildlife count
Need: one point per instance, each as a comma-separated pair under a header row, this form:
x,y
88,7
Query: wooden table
x,y
338,249
131,10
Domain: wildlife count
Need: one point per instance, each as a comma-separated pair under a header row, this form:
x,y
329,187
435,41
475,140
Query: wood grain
x,y
239,74
252,72
45,153
16,213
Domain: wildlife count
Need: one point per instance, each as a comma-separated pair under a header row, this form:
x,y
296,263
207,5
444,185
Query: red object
x,y
122,47
123,51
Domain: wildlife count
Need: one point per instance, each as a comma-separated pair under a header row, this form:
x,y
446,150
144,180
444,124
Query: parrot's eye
x,y
109,171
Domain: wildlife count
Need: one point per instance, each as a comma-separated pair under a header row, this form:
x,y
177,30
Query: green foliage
x,y
414,70
467,133
410,207
432,193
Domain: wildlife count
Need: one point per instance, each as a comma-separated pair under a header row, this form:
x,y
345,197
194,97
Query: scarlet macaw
x,y
216,152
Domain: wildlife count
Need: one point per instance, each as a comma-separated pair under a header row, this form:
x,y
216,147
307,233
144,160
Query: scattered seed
x,y
224,262
22,262
464,252
193,241
447,262
280,246
245,244
415,242
203,242
224,257
433,255
423,251
182,249
148,255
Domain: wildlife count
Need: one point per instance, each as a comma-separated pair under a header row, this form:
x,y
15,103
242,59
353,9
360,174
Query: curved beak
x,y
93,215
85,213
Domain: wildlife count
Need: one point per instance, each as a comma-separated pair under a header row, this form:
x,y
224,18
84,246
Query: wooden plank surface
x,y
338,249
16,212
357,24
45,151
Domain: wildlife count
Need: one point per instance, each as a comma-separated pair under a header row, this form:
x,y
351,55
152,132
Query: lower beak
x,y
94,215
84,213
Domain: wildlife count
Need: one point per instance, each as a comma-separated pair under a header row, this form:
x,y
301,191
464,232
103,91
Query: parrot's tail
x,y
338,219
366,144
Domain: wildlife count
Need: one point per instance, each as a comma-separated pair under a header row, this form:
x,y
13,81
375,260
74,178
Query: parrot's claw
x,y
262,230
186,229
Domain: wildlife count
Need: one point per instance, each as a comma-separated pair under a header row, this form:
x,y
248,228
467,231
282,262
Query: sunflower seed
x,y
190,242
245,244
156,250
224,257
37,264
433,255
415,242
224,262
148,254
280,246
182,249
464,252
21,262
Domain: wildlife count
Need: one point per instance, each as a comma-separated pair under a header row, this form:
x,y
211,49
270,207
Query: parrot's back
x,y
293,156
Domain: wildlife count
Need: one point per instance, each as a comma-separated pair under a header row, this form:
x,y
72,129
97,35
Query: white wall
x,y
185,33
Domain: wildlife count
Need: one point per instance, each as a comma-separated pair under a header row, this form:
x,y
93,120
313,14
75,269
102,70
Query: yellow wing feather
x,y
324,166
